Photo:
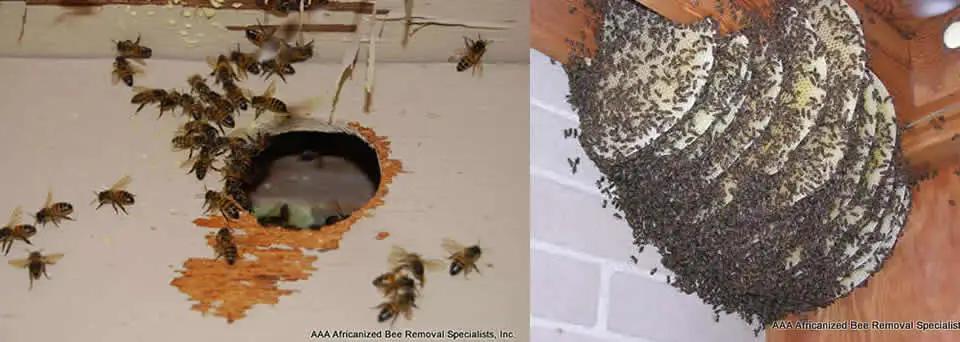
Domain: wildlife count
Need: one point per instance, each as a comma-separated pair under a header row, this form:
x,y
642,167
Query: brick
x,y
549,150
541,334
548,82
566,216
564,289
643,307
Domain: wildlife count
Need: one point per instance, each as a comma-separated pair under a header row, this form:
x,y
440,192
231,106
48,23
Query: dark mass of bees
x,y
718,206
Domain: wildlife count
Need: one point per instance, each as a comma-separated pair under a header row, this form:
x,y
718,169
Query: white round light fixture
x,y
951,36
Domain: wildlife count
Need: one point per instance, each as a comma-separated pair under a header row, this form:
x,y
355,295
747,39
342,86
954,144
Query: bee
x,y
53,212
471,55
225,246
123,70
145,96
277,66
221,115
297,53
202,162
133,49
236,95
462,258
260,35
117,195
402,303
267,102
36,263
401,259
14,230
222,202
190,142
391,282
222,69
199,86
246,62
186,102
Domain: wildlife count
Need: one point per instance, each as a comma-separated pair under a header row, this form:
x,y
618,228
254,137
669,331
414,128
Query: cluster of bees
x,y
401,285
209,114
54,213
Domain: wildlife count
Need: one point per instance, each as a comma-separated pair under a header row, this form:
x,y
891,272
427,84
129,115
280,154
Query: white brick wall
x,y
584,287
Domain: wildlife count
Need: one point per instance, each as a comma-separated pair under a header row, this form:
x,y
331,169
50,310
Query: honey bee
x,y
214,200
267,102
277,66
36,263
462,258
225,246
199,86
186,102
401,259
123,70
190,142
117,195
202,162
221,115
471,55
14,230
235,95
402,303
53,212
260,35
133,49
245,62
391,282
298,53
145,96
222,69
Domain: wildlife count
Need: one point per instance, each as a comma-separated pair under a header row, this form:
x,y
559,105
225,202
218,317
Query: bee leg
x,y
114,205
101,204
43,268
475,268
123,209
24,240
31,282
141,107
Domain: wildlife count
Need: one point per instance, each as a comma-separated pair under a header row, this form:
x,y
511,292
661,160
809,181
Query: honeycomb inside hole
x,y
310,179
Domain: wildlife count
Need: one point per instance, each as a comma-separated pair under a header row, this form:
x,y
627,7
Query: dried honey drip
x,y
229,291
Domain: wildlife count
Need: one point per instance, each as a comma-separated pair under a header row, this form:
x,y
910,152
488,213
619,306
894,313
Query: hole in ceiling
x,y
310,179
951,36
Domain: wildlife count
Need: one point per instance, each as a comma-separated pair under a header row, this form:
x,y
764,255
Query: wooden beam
x,y
340,28
333,6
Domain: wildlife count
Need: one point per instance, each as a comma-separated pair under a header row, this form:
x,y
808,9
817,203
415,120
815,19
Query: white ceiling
x,y
52,31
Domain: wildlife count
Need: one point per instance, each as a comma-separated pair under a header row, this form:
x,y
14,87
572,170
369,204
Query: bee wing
x,y
15,217
136,69
212,62
140,89
51,259
116,77
433,264
247,93
457,55
19,263
49,201
122,183
397,255
272,88
139,61
189,162
452,246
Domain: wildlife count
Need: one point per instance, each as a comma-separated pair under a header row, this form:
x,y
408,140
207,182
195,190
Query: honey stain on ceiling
x,y
229,291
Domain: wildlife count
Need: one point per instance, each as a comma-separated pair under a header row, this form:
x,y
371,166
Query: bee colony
x,y
189,221
763,165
